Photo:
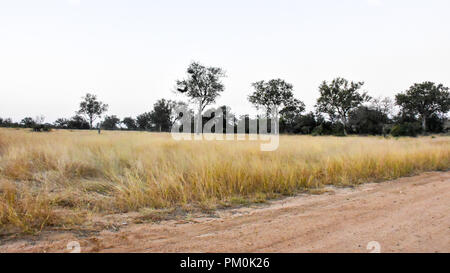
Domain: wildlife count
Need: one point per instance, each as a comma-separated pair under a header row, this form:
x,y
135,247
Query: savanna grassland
x,y
63,178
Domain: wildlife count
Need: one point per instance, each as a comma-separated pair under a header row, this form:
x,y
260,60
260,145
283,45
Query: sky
x,y
131,52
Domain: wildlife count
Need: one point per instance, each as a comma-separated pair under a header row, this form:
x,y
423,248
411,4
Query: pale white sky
x,y
130,52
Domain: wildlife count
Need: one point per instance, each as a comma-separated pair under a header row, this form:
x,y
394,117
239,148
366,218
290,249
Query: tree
x,y
275,97
91,108
340,97
436,123
78,122
143,121
7,122
130,123
176,110
61,123
28,122
110,122
161,115
203,85
289,116
385,105
365,120
165,113
221,119
425,99
304,124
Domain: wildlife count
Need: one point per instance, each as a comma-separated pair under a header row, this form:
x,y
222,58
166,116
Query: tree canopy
x,y
160,116
130,123
274,97
110,122
203,85
340,97
425,99
143,121
92,108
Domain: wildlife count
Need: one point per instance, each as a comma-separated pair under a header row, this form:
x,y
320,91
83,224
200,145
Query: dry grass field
x,y
63,178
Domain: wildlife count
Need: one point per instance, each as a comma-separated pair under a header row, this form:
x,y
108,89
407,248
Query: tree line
x,y
342,108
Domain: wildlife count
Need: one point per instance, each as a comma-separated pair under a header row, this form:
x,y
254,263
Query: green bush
x,y
406,129
328,128
42,128
318,131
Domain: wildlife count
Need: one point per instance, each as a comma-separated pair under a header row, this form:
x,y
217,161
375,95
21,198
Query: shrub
x,y
318,131
42,128
406,129
338,129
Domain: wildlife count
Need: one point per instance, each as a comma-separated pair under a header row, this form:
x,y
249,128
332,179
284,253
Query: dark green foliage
x,y
92,108
28,122
203,86
130,123
8,123
423,100
291,119
339,98
110,123
305,124
318,131
143,121
160,116
328,128
275,95
366,121
324,128
78,122
61,123
406,129
298,124
435,124
42,127
276,98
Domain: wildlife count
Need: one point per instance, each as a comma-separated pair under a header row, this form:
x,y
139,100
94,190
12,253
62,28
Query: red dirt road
x,y
406,215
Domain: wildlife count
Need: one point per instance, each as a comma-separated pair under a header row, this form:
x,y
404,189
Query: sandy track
x,y
405,215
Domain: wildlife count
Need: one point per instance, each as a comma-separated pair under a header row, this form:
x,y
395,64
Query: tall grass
x,y
127,171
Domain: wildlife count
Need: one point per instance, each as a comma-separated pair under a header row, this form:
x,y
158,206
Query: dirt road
x,y
405,215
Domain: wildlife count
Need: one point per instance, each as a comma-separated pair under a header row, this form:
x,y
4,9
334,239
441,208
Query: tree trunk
x,y
277,124
344,122
199,119
424,123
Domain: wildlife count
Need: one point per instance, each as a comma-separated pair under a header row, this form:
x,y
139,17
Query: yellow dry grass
x,y
43,174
